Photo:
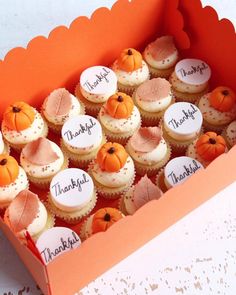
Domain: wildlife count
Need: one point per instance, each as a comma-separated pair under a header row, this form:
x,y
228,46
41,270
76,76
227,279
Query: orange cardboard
x,y
57,61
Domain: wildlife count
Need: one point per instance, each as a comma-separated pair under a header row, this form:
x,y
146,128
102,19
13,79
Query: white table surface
x,y
203,270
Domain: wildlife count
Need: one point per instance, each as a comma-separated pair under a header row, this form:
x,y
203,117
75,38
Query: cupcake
x,y
59,106
229,134
207,148
82,136
55,242
190,80
27,213
131,70
112,171
119,118
22,124
100,222
96,85
4,147
72,195
41,160
218,108
149,150
181,125
161,56
13,179
152,98
138,195
177,171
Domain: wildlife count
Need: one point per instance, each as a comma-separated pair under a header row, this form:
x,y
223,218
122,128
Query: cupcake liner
x,y
129,89
72,217
218,129
44,183
110,192
91,108
228,141
149,118
121,205
83,233
160,181
161,73
50,224
189,97
81,161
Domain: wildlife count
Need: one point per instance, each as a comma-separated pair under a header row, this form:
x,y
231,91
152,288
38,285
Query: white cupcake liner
x,y
189,97
158,73
129,89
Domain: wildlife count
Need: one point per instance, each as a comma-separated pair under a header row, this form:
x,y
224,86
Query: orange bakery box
x,y
47,63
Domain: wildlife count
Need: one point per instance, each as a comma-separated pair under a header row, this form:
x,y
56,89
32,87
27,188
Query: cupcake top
x,y
82,134
154,95
179,170
139,194
231,133
2,145
71,189
162,53
119,115
26,213
130,68
147,146
56,241
98,83
190,76
183,121
60,105
41,158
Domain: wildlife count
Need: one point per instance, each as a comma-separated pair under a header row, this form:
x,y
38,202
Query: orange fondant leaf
x,y
23,210
144,191
146,139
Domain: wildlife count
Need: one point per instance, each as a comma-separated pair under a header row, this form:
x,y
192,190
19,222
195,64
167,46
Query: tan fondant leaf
x,y
162,48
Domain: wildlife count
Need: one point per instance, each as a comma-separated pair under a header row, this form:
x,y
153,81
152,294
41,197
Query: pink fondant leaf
x,y
23,210
39,152
154,90
144,191
146,139
162,48
58,103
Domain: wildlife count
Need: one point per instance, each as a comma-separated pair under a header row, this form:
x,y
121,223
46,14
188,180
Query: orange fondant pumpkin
x,y
9,170
210,145
120,106
222,99
130,60
112,157
104,218
19,116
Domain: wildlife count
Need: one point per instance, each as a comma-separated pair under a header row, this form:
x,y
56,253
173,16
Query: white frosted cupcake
x,y
131,70
13,179
22,124
152,98
4,147
72,195
41,160
82,136
113,170
59,106
177,171
119,118
229,134
149,150
138,195
218,108
181,125
27,213
190,79
96,85
161,56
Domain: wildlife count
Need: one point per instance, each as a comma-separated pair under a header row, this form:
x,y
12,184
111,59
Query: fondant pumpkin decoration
x,y
222,99
120,106
130,60
210,145
19,116
104,218
111,157
9,170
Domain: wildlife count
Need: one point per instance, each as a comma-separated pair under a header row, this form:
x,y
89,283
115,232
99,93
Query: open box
x,y
57,61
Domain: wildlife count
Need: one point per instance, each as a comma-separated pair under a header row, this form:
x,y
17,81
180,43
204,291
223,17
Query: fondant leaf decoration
x,y
144,191
39,152
58,103
154,90
162,48
23,210
146,139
